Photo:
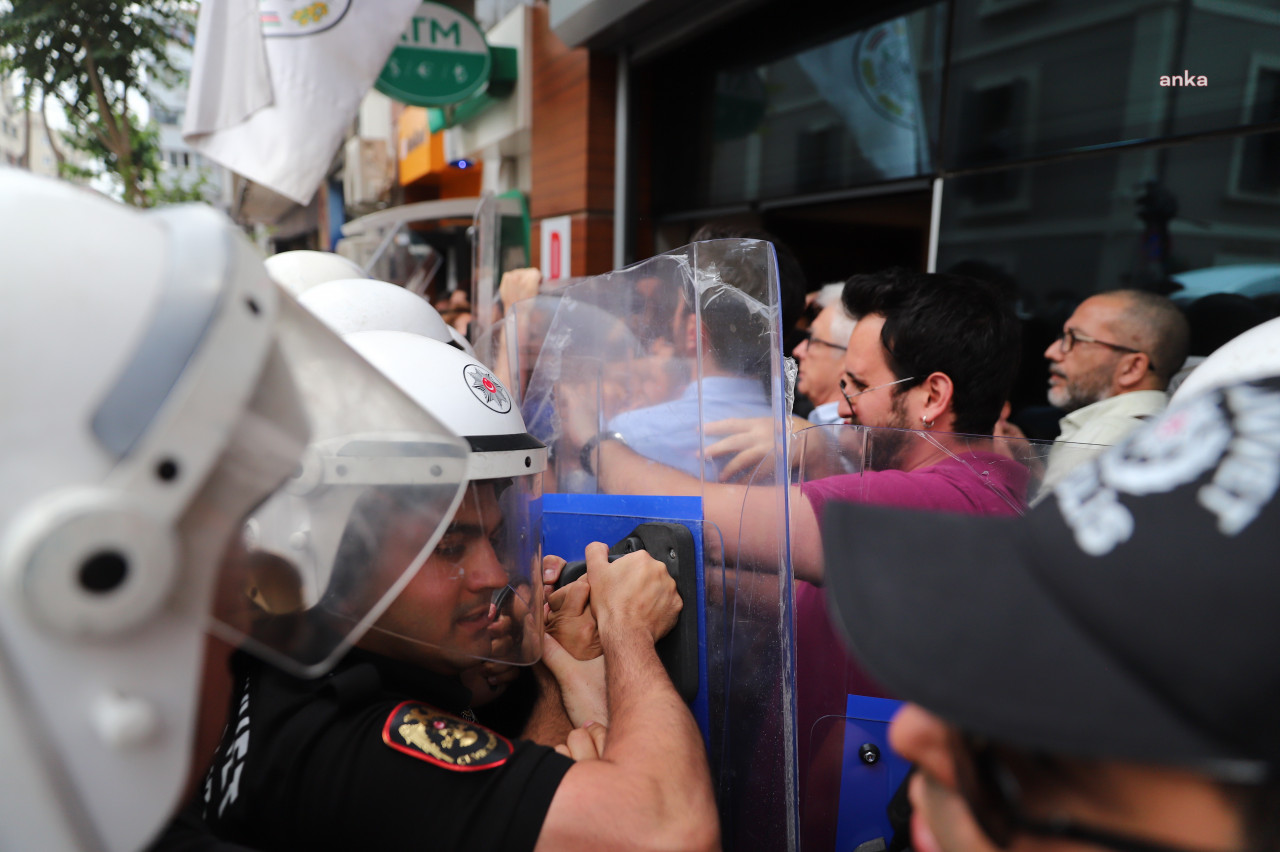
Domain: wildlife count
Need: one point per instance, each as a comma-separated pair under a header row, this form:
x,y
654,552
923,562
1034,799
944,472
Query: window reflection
x,y
1138,218
853,111
1089,73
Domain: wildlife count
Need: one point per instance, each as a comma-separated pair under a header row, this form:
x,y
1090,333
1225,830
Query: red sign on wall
x,y
556,248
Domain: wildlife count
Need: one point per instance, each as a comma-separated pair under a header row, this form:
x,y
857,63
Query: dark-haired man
x,y
1102,671
1109,368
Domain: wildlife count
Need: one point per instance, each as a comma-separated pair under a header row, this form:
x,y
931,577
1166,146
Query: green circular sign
x,y
442,58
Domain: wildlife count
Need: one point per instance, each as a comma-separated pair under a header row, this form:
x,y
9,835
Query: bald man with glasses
x,y
1109,368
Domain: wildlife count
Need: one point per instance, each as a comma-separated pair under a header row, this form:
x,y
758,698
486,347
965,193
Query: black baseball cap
x,y
1133,615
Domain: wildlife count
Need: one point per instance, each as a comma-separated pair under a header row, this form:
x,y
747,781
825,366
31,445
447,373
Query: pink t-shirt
x,y
978,484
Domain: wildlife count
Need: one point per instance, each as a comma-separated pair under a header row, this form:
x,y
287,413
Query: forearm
x,y
650,789
548,723
621,470
645,710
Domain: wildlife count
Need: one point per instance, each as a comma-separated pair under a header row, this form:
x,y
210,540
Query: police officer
x,y
391,749
158,390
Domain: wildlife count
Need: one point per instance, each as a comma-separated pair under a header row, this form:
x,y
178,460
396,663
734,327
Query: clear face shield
x,y
478,596
499,240
350,456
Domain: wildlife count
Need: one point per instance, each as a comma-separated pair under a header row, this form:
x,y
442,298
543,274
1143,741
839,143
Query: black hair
x,y
735,317
792,285
948,324
1219,317
1258,806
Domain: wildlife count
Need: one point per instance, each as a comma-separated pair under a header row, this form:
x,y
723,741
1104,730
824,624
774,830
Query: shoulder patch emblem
x,y
420,730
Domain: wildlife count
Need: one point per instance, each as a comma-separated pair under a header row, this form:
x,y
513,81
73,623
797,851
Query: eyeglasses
x,y
844,389
1070,337
810,339
993,795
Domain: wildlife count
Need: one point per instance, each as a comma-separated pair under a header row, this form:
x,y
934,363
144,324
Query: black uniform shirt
x,y
375,755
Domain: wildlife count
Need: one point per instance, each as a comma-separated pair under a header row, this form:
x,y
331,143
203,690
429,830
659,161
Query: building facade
x,y
1033,135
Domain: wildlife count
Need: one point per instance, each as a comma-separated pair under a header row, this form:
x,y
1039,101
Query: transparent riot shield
x,y
847,773
393,252
516,342
627,376
499,241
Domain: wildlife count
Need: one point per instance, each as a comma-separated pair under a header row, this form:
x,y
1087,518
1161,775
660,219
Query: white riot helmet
x,y
157,388
1254,354
498,523
299,271
461,342
350,305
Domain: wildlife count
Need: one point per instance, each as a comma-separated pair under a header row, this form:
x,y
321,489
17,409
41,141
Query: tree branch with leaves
x,y
94,57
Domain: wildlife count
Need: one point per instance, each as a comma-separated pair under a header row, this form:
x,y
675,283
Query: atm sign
x,y
442,58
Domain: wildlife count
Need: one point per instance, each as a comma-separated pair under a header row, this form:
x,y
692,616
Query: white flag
x,y
276,83
870,80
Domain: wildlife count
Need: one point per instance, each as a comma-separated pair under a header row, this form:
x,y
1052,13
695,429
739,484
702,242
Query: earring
x,y
928,424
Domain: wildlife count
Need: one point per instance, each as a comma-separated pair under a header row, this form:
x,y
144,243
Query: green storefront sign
x,y
442,59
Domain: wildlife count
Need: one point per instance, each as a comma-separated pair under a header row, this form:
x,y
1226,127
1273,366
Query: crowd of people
x,y
1077,627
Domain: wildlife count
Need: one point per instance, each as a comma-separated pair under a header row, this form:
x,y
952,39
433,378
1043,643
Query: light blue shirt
x,y
669,433
827,414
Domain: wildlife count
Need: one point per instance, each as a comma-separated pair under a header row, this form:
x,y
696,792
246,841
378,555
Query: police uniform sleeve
x,y
188,832
390,775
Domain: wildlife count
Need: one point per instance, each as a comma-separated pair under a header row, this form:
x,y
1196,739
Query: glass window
x,y
857,109
165,115
1174,220
1101,222
1037,77
1256,163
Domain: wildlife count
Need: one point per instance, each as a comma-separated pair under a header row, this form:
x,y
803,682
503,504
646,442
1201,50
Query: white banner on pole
x,y
276,83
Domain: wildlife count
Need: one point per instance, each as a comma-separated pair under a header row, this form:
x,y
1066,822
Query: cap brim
x,y
947,612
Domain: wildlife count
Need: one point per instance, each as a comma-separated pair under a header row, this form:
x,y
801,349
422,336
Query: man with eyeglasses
x,y
820,354
1109,368
1100,673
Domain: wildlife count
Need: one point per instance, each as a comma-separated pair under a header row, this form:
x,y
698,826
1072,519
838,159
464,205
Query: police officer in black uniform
x,y
389,750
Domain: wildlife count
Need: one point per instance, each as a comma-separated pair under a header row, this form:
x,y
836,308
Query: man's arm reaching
x,y
748,519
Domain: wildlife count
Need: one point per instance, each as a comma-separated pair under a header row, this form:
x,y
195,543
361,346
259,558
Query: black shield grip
x,y
671,544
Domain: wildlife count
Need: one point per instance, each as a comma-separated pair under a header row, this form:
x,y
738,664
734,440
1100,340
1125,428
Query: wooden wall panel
x,y
572,141
559,133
